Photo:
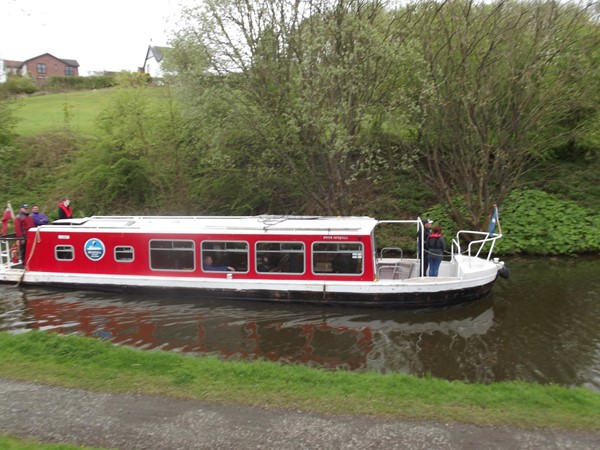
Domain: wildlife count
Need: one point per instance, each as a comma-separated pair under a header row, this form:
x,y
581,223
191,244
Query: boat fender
x,y
504,272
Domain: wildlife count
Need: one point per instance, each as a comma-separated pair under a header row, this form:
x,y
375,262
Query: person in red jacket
x,y
23,222
435,246
65,211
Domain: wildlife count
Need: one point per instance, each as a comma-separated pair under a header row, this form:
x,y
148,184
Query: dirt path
x,y
56,414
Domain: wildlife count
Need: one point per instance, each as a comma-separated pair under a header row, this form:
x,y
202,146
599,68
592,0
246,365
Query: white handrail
x,y
481,242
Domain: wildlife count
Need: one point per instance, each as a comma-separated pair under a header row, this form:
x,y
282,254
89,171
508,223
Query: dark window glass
x,y
64,252
283,257
221,256
338,258
172,255
124,254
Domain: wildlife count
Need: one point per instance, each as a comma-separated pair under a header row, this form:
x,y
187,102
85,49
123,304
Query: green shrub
x,y
16,85
537,223
81,83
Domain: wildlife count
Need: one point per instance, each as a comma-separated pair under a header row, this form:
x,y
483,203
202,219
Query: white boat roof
x,y
315,225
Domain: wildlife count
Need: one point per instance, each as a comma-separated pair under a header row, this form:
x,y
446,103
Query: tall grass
x,y
87,363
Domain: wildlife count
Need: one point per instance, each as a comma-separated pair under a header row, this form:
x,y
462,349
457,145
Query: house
x,y
153,62
43,67
8,68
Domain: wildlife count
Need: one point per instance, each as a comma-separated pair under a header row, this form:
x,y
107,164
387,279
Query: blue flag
x,y
493,221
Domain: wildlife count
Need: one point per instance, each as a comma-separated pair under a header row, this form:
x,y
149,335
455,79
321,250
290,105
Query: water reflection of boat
x,y
328,339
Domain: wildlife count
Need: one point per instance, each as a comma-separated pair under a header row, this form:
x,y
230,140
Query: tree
x,y
8,122
498,83
139,161
310,79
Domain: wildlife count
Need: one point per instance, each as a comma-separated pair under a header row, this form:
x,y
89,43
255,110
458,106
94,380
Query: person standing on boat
x,y
426,232
65,211
23,222
435,247
39,218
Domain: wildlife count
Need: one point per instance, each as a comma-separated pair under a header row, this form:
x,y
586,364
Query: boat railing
x,y
476,246
391,250
395,271
6,259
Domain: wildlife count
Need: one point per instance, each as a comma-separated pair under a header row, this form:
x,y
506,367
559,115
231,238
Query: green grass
x,y
10,443
76,110
96,365
43,113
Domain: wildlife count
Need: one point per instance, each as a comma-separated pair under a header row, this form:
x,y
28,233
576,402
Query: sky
x,y
110,35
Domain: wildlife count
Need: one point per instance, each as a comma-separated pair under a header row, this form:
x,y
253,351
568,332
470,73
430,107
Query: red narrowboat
x,y
304,259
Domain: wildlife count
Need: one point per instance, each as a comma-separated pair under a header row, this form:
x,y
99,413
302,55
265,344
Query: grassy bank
x,y
75,110
91,364
9,443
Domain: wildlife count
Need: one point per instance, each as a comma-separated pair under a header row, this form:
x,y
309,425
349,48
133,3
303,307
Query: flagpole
x,y
498,218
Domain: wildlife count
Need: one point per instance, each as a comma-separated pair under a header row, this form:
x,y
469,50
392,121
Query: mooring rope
x,y
26,263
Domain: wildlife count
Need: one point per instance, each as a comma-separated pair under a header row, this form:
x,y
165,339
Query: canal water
x,y
541,325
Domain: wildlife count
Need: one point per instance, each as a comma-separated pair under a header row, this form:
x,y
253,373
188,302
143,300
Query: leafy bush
x,y
537,223
81,83
16,85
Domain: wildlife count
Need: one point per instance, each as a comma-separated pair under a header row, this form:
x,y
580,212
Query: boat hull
x,y
424,293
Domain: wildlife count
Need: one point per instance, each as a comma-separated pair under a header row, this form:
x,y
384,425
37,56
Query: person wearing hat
x,y
23,222
426,232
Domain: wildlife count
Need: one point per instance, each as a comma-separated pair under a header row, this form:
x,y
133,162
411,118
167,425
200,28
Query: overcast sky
x,y
101,35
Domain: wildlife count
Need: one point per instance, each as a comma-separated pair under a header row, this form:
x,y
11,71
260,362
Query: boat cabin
x,y
259,247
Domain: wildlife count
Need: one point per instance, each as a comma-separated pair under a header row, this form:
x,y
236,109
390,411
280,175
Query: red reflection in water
x,y
249,338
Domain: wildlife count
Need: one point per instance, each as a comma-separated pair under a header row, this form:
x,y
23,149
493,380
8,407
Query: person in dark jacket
x,y
426,232
435,247
65,211
23,222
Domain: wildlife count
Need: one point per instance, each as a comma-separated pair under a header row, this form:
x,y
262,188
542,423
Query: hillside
x,y
148,164
74,110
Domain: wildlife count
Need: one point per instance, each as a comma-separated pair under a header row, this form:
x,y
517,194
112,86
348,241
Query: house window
x,y
124,254
64,252
286,257
172,255
41,68
56,67
69,70
338,258
223,255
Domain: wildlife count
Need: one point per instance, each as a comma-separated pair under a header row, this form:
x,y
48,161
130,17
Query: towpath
x,y
75,416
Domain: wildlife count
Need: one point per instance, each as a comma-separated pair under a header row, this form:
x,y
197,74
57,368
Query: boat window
x,y
338,258
224,256
172,255
285,257
124,254
64,252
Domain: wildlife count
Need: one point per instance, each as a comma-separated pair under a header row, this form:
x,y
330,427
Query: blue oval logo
x,y
94,249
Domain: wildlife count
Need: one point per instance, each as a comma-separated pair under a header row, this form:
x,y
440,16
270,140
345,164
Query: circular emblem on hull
x,y
94,249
